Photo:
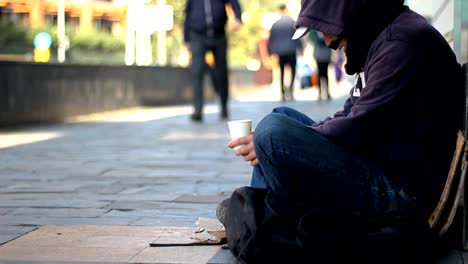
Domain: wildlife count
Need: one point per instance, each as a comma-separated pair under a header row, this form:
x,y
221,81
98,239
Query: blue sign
x,y
42,41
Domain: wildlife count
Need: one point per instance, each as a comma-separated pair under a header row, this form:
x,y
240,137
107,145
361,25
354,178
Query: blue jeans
x,y
307,171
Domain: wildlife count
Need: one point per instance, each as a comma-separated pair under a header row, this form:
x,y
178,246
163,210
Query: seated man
x,y
388,151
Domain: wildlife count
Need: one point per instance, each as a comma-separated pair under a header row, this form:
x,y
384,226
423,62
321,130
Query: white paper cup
x,y
240,128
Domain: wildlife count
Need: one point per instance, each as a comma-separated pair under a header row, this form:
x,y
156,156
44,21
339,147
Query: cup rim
x,y
240,121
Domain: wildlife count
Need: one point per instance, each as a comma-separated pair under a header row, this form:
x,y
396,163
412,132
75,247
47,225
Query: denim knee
x,y
264,132
294,114
282,110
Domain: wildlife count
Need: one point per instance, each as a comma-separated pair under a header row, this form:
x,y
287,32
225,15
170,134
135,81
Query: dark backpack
x,y
255,234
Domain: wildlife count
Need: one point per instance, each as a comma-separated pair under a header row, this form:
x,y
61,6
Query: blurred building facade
x,y
81,15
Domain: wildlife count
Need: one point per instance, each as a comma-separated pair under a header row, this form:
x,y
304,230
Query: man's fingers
x,y
240,141
243,140
249,154
233,143
254,162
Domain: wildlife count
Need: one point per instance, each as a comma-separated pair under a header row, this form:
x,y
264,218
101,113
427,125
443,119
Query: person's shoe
x,y
221,210
197,117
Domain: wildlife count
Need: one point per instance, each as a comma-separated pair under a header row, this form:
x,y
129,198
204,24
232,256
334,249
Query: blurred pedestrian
x,y
204,30
282,45
322,56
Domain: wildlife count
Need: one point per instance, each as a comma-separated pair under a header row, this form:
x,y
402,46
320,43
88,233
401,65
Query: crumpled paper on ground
x,y
209,230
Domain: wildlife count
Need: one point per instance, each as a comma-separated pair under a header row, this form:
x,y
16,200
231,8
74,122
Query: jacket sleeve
x,y
387,73
236,8
342,113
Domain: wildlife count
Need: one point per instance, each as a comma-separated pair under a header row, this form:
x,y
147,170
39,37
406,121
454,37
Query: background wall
x,y
32,92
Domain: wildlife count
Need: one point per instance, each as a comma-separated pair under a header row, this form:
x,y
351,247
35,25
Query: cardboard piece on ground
x,y
209,231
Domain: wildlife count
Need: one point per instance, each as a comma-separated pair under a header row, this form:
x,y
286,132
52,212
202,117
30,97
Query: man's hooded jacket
x,y
407,102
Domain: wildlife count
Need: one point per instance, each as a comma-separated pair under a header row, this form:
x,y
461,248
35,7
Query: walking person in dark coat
x,y
282,45
205,30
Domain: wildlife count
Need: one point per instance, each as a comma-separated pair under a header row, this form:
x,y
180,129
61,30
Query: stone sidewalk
x,y
100,188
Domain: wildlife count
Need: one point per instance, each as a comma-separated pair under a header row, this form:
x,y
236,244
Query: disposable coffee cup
x,y
240,128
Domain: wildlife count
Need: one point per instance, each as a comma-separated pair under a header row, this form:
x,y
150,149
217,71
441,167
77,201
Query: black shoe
x,y
221,211
197,117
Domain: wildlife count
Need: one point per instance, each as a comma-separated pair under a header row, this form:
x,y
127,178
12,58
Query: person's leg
x,y
221,72
212,75
323,76
197,48
292,64
305,171
282,62
319,84
258,179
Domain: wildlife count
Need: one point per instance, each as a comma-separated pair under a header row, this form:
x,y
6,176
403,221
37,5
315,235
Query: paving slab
x,y
122,244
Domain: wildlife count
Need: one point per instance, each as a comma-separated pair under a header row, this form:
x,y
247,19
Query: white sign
x,y
153,18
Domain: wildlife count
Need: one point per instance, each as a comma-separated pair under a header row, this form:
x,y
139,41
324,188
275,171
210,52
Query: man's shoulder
x,y
410,33
410,26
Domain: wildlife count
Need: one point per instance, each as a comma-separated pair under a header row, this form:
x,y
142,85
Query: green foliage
x,y
16,34
96,40
12,34
244,43
80,56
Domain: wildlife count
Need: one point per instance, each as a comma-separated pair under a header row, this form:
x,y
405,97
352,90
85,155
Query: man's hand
x,y
247,150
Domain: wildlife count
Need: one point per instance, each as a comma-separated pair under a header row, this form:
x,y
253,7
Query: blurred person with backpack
x,y
281,44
